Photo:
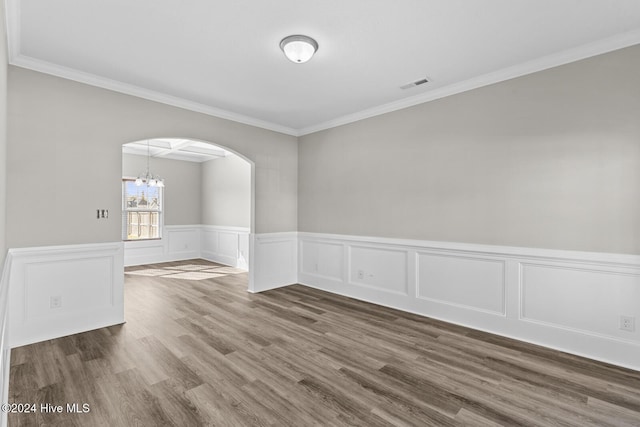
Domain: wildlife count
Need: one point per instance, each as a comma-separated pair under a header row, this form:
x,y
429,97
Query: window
x,y
141,211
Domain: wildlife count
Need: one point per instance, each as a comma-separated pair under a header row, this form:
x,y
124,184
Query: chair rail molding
x,y
567,300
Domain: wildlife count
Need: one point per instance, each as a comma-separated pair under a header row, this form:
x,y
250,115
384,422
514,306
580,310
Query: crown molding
x,y
588,50
554,60
12,8
128,89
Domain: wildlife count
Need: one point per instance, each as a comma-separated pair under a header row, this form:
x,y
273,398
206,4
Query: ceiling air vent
x,y
414,84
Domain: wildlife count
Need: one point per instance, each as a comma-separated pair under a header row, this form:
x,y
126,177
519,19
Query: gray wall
x,y
547,160
3,134
64,158
226,192
183,186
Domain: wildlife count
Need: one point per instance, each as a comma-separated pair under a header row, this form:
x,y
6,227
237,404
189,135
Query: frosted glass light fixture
x,y
298,48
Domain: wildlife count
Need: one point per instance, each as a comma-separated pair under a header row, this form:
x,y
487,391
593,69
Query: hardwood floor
x,y
206,352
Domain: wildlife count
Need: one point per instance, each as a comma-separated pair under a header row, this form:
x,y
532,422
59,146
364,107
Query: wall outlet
x,y
360,275
55,302
628,323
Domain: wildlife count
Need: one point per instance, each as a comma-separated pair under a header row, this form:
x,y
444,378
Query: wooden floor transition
x,y
197,349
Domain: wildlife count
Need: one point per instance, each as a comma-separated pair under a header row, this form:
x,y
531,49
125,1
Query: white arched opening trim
x,y
227,242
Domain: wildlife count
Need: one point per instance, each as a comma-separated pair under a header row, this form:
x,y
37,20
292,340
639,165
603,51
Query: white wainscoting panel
x,y
183,241
584,299
5,350
275,263
567,300
468,282
144,252
85,280
179,242
322,259
243,251
226,245
89,278
209,242
383,269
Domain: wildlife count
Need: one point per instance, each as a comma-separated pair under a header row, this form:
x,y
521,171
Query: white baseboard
x,y
570,301
276,261
87,280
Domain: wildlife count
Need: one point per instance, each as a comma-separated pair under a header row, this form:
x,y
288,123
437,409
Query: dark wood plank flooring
x,y
206,352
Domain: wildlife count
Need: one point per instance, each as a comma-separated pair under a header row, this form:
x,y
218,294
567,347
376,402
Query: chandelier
x,y
148,178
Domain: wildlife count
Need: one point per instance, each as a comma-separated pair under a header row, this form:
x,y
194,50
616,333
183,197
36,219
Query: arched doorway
x,y
185,198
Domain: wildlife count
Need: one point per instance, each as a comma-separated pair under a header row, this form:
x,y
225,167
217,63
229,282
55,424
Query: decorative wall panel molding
x,y
183,242
276,261
323,259
277,252
597,298
567,300
63,290
225,245
474,283
384,269
179,242
571,301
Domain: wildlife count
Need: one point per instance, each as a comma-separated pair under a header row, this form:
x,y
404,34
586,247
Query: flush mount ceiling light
x,y
298,48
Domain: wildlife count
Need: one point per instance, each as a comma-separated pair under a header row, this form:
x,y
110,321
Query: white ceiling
x,y
176,149
223,57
